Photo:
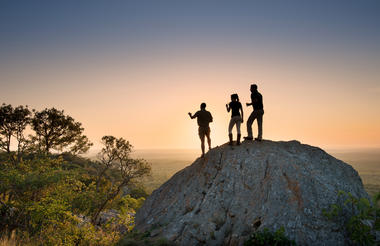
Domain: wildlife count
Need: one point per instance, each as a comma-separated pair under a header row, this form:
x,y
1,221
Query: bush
x,y
266,237
44,203
363,221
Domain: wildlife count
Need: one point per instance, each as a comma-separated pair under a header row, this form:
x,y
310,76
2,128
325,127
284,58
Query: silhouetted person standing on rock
x,y
236,118
258,112
204,118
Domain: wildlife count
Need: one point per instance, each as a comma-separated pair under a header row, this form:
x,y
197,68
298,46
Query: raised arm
x,y
192,116
228,108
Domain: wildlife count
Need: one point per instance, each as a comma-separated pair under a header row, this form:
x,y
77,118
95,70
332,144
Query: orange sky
x,y
317,102
137,75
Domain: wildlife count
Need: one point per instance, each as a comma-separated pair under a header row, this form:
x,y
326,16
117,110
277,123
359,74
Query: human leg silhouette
x,y
230,126
260,114
202,144
250,121
209,141
256,114
238,132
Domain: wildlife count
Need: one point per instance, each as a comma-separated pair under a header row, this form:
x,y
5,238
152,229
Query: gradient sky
x,y
134,69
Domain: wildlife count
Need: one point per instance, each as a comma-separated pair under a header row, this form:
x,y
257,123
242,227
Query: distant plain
x,y
366,162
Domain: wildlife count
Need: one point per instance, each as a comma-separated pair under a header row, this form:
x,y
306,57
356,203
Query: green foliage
x,y
50,199
128,203
266,237
115,155
363,221
42,201
138,191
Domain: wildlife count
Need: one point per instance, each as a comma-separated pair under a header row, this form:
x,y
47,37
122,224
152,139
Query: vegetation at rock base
x,y
364,222
143,239
49,195
266,237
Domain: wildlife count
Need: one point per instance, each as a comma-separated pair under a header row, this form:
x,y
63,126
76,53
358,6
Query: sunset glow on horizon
x,y
135,69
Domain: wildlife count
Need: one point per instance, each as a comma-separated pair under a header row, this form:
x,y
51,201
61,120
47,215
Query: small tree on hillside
x,y
116,155
107,157
13,122
60,132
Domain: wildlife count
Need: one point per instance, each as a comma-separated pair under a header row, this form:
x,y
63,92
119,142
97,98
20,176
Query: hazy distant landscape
x,y
366,162
167,162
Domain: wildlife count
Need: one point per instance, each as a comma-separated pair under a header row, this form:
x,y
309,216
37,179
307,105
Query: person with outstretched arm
x,y
258,112
236,118
204,118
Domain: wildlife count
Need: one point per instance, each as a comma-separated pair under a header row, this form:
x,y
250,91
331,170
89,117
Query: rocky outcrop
x,y
233,191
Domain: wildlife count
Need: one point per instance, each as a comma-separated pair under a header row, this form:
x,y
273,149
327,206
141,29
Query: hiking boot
x,y
238,139
248,138
258,139
231,142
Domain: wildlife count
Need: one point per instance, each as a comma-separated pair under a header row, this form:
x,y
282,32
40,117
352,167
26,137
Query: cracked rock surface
x,y
233,191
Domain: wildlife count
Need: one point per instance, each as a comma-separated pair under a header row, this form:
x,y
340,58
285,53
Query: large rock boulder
x,y
233,191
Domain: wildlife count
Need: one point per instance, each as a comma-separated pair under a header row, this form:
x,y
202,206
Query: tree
x,y
6,127
106,156
13,122
60,132
116,154
21,121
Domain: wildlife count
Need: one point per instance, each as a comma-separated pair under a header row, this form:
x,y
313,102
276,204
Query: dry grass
x,y
11,241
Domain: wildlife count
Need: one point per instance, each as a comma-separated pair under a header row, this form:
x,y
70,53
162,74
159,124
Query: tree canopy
x,y
13,122
55,130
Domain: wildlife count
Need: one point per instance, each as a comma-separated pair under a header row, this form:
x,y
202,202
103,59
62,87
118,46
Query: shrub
x,y
364,220
266,237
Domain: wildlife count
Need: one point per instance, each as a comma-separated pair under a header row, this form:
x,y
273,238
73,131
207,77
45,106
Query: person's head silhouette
x,y
203,106
253,87
234,97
